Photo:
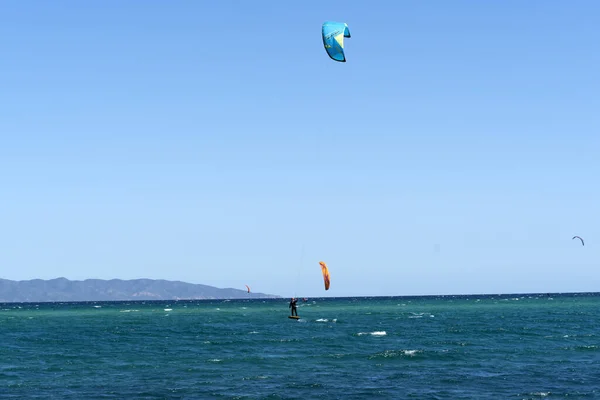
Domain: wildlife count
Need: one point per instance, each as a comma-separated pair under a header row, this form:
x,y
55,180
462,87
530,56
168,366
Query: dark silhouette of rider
x,y
293,306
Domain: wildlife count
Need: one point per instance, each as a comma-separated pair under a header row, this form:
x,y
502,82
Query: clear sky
x,y
457,151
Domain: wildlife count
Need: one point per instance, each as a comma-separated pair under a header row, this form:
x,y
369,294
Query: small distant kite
x,y
248,287
582,243
325,272
333,39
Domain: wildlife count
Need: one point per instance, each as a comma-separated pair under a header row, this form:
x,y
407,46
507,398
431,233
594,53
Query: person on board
x,y
293,306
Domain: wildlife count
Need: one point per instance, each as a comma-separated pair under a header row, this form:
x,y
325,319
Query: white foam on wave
x,y
325,320
168,309
215,360
97,306
249,378
395,353
376,333
252,333
420,315
129,310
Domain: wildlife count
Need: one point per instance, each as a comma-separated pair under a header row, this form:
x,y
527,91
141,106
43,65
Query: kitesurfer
x,y
293,306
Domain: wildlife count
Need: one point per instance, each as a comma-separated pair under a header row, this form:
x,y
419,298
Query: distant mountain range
x,y
62,289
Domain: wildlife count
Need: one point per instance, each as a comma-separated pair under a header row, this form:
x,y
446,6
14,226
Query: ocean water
x,y
452,347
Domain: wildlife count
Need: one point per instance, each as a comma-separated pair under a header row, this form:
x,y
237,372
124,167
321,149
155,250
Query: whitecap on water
x,y
420,315
395,354
376,333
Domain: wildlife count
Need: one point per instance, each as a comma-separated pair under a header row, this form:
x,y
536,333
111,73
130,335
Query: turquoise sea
x,y
537,346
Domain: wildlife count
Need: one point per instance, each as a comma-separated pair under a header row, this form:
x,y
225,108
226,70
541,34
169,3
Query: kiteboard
x,y
293,317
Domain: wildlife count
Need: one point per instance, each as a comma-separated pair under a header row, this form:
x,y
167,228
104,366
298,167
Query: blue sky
x,y
457,151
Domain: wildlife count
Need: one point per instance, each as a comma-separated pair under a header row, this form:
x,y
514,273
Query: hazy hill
x,y
62,289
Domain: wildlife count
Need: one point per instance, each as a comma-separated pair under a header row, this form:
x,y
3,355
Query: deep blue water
x,y
452,347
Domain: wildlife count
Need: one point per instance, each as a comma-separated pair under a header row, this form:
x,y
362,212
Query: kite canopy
x,y
247,287
325,272
582,243
333,39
